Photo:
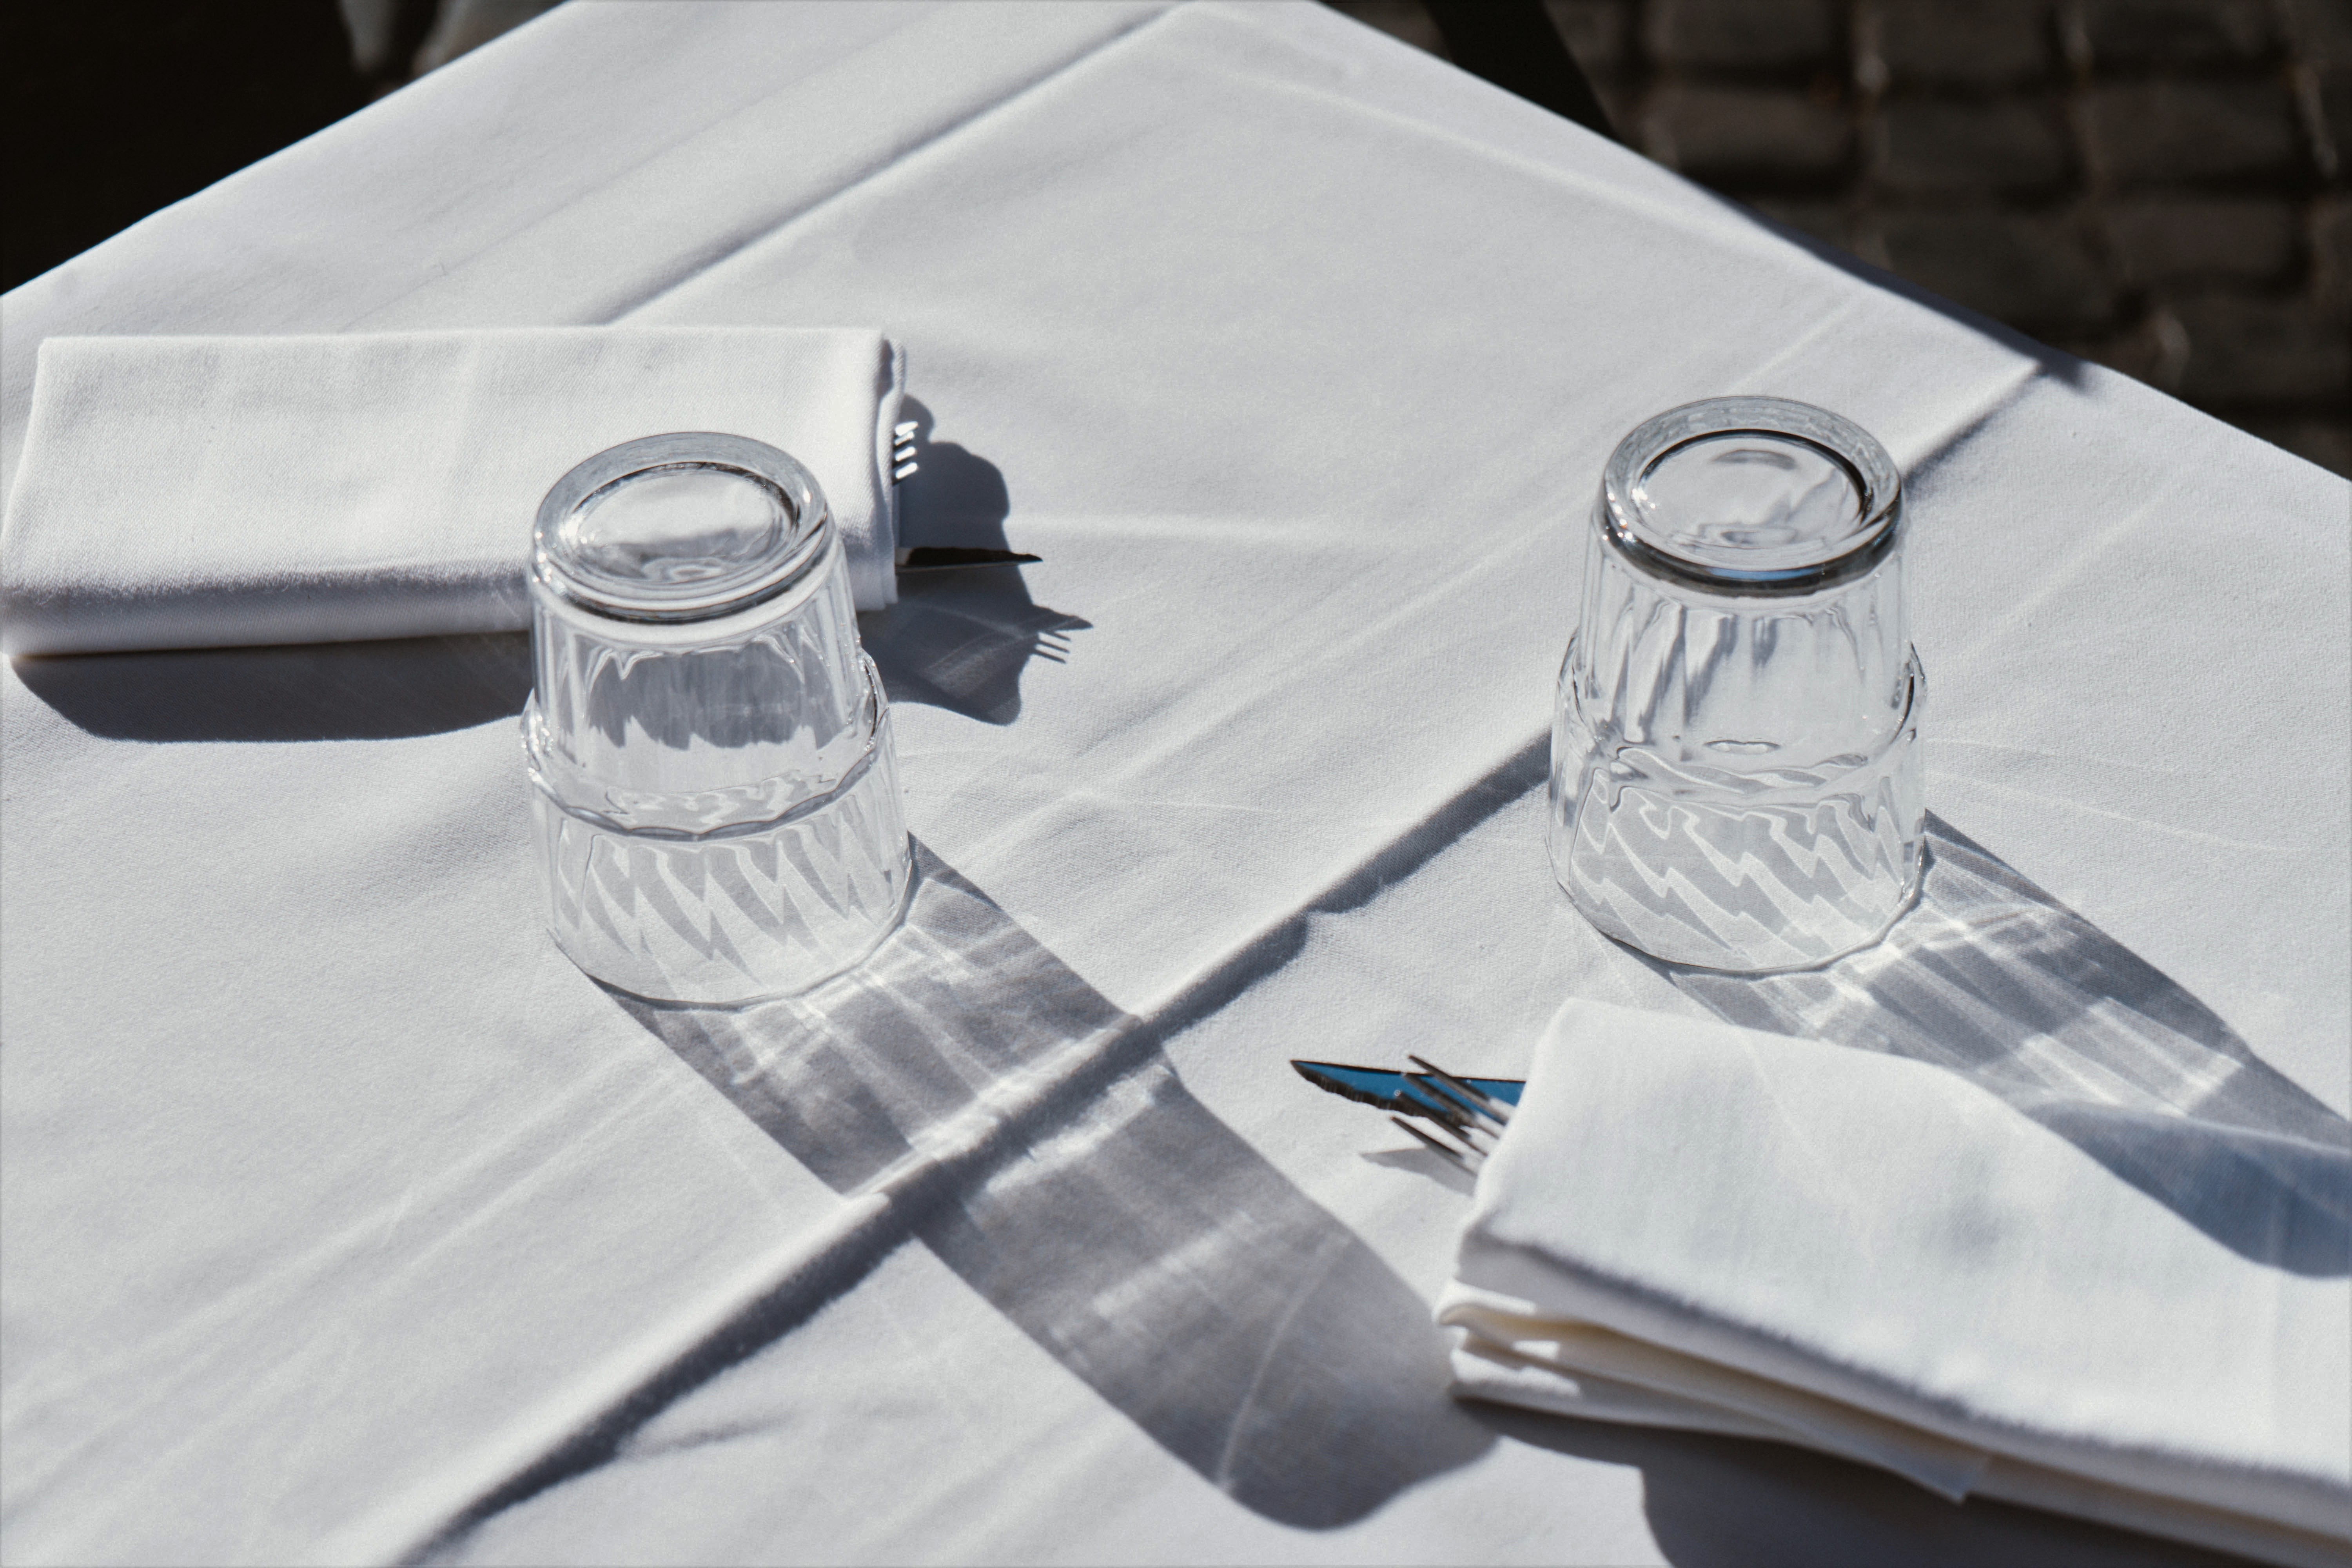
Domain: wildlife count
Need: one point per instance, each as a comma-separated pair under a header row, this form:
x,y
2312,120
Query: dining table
x,y
345,1221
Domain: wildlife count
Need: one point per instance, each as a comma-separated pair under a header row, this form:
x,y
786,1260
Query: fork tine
x,y
1460,1131
1456,1110
1429,1101
1478,1100
1434,1143
1443,1109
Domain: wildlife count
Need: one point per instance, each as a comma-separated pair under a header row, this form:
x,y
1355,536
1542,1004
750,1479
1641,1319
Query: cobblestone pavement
x,y
2156,184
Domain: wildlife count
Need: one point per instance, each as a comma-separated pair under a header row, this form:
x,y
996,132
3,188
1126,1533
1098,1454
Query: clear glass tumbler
x,y
1735,764
715,795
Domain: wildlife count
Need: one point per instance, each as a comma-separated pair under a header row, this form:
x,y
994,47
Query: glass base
x,y
1748,874
724,919
1735,942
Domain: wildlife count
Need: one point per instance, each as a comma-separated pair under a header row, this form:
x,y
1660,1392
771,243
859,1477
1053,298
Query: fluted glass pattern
x,y
769,909
693,726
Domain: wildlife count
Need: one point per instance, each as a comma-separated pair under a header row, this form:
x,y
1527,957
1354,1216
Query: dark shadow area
x,y
114,110
1514,45
1117,1223
315,691
954,499
1742,1502
959,639
1423,1162
2055,363
1991,977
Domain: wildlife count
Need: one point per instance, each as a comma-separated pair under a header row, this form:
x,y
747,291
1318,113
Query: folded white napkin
x,y
189,492
1693,1225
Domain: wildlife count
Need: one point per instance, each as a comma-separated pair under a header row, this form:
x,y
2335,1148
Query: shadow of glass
x,y
959,639
1120,1225
319,691
1991,977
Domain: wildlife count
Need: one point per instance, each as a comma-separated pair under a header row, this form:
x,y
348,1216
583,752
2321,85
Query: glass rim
x,y
801,549
1878,486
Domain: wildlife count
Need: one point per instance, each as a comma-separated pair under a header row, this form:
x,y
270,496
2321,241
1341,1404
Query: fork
x,y
1472,1116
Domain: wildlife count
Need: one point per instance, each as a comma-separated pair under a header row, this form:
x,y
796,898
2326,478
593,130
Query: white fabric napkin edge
x,y
1488,1368
1606,1350
448,596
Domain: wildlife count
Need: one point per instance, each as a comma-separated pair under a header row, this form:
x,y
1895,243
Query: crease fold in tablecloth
x,y
1241,367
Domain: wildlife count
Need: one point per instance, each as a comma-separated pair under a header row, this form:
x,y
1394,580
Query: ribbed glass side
x,y
755,909
691,727
1736,781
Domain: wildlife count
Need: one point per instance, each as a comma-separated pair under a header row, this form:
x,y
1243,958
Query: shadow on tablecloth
x,y
959,639
1117,1223
317,692
1992,978
1742,1502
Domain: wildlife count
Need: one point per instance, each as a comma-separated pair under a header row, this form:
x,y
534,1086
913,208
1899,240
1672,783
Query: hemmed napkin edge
x,y
106,609
1490,1373
881,561
1492,1274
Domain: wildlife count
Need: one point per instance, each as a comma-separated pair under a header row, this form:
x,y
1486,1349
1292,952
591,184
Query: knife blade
x,y
956,558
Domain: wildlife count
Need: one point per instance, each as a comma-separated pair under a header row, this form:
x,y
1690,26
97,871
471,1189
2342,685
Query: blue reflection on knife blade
x,y
1412,1094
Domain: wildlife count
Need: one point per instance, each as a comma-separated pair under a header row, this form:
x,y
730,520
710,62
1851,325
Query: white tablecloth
x,y
344,1220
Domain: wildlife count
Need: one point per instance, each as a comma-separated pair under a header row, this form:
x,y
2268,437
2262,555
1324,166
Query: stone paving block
x,y
1405,20
1599,34
2331,256
1743,35
2155,350
1745,135
1824,221
2252,349
2334,96
1620,101
371,24
2175,239
2032,271
1925,146
1963,43
2104,34
2142,133
2311,109
2320,31
464,26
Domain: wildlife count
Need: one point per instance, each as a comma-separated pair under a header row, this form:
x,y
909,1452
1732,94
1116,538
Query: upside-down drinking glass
x,y
715,798
1734,774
